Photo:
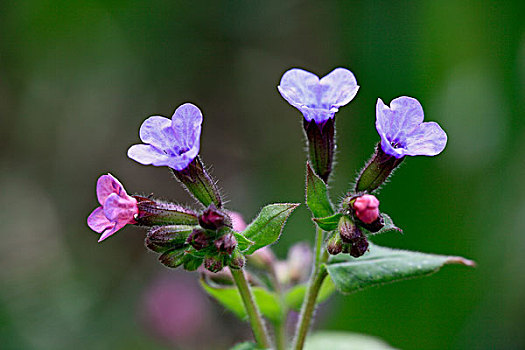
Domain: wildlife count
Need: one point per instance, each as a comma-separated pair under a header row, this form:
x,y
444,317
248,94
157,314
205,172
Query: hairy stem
x,y
314,285
258,327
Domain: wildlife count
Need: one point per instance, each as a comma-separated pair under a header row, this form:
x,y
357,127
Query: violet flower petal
x,y
186,123
318,100
428,139
98,222
148,155
339,87
299,87
403,131
174,143
157,131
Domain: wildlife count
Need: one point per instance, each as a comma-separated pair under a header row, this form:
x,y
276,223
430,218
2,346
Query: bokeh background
x,y
77,78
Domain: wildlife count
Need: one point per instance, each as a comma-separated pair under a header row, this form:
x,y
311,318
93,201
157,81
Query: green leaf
x,y
246,346
328,223
344,341
242,242
230,298
294,297
268,225
384,265
317,195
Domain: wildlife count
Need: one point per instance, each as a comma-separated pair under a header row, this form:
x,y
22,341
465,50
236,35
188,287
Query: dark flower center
x,y
182,150
395,144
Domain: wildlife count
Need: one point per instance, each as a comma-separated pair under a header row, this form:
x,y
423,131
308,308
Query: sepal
x,y
199,183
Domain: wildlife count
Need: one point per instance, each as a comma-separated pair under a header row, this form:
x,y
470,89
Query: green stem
x,y
279,328
314,285
280,335
259,329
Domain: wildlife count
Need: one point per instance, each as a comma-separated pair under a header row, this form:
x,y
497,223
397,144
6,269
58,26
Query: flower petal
x,y
428,139
106,185
110,231
339,88
120,210
398,120
186,126
98,222
157,131
181,162
300,88
147,154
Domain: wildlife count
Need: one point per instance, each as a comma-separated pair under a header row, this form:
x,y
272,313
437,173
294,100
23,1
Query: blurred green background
x,y
77,78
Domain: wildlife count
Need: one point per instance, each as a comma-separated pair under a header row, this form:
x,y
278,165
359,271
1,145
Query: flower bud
x,y
348,230
162,238
366,208
153,212
226,244
376,171
172,258
199,239
213,218
237,260
335,245
375,226
359,247
213,264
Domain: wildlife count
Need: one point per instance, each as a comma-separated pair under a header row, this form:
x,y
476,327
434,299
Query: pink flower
x,y
367,208
238,222
117,208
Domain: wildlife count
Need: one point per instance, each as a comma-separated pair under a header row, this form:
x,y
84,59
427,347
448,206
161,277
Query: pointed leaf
x,y
268,225
230,298
384,265
317,195
294,297
242,242
344,341
328,223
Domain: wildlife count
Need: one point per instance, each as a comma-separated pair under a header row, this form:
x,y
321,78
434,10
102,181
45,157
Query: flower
x,y
366,208
117,208
403,132
174,143
318,99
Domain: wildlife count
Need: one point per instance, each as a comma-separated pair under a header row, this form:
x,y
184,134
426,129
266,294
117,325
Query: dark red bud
x,y
213,218
237,260
335,245
359,247
226,244
348,230
213,264
199,239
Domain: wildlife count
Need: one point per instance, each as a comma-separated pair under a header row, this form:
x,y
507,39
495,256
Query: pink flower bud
x,y
366,208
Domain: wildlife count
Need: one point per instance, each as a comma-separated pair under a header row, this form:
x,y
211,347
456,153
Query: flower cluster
x,y
175,143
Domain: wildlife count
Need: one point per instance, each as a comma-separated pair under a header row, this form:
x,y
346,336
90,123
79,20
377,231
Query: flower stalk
x,y
314,285
256,321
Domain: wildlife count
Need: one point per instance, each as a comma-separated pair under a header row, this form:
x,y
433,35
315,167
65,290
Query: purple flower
x,y
318,99
403,132
174,143
117,208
